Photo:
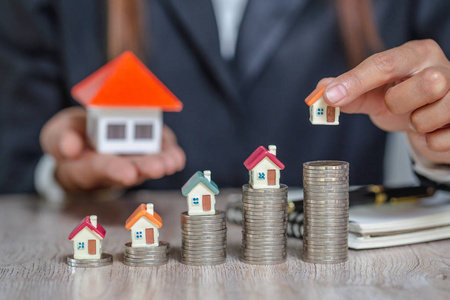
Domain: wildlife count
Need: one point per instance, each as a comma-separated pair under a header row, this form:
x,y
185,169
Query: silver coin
x,y
218,214
202,259
145,260
251,246
246,252
133,264
264,228
145,250
326,164
309,174
264,209
204,224
247,187
201,223
205,231
326,201
209,263
262,262
105,260
331,251
204,238
153,255
326,221
325,257
202,255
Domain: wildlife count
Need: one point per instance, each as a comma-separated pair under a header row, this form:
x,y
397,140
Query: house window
x,y
195,201
116,131
262,175
143,131
138,235
81,246
320,111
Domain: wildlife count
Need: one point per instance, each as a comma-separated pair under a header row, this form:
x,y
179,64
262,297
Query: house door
x,y
271,177
92,247
149,236
206,202
331,114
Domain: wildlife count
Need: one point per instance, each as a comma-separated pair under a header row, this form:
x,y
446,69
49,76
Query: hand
x,y
402,89
79,167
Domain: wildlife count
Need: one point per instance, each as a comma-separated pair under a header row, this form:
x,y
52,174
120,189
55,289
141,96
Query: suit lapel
x,y
265,24
196,20
83,37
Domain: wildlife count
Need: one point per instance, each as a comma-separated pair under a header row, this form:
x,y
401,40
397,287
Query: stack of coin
x,y
146,256
204,239
105,260
325,207
264,225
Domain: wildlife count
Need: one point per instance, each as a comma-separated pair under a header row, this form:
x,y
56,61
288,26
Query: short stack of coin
x,y
204,239
105,260
146,256
325,207
264,218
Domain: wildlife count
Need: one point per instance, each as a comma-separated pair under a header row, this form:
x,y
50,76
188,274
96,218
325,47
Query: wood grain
x,y
34,247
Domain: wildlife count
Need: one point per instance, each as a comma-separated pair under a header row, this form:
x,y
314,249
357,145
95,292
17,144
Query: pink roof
x,y
258,155
87,222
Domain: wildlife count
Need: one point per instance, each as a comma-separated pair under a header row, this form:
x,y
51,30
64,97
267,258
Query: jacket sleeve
x,y
31,88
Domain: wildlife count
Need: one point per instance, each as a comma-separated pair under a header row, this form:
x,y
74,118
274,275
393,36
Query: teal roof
x,y
197,178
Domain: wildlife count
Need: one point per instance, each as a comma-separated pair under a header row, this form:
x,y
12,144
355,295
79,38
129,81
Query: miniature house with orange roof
x,y
125,104
264,168
144,225
87,239
319,112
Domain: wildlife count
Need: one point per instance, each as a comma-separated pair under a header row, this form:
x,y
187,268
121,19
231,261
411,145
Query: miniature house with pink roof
x,y
87,239
264,168
125,104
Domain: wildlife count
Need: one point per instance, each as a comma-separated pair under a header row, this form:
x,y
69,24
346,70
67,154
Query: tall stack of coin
x,y
204,239
264,218
325,206
146,256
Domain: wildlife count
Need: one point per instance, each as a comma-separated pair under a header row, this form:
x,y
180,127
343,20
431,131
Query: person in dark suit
x,y
232,103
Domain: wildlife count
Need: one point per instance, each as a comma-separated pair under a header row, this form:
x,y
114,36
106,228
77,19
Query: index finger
x,y
379,69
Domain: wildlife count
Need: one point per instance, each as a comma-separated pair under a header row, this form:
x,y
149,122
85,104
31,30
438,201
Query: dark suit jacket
x,y
47,46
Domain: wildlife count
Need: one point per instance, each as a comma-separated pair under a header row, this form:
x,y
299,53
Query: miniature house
x,y
264,168
200,191
87,239
319,112
125,104
144,225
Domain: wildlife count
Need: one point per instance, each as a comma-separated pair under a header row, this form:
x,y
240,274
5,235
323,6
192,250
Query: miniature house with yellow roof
x,y
144,225
125,104
320,113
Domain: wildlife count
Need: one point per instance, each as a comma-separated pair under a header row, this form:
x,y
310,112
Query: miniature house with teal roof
x,y
200,192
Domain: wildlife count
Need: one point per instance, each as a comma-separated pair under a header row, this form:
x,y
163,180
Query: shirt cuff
x,y
45,182
438,173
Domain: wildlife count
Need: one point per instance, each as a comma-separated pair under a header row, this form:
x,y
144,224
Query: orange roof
x,y
140,212
315,95
125,82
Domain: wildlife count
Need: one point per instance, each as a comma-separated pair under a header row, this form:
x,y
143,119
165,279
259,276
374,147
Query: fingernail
x,y
336,93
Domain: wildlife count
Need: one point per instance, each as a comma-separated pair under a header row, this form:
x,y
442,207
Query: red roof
x,y
87,222
258,155
140,212
125,82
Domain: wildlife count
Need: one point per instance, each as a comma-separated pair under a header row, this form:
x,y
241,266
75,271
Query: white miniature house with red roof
x,y
144,224
264,168
320,113
200,192
125,104
87,239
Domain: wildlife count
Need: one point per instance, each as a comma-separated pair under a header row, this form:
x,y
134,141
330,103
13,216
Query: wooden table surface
x,y
34,246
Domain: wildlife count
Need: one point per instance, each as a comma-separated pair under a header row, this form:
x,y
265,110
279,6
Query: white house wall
x,y
199,191
129,117
142,224
262,167
322,119
83,236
